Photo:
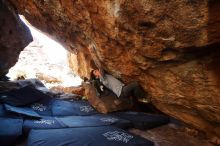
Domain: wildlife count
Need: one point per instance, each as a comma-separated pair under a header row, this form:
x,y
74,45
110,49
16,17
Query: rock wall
x,y
170,46
13,38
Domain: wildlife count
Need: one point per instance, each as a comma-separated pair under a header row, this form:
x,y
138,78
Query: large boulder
x,y
170,46
15,36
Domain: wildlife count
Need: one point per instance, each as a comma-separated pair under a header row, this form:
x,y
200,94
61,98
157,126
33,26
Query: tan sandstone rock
x,y
170,46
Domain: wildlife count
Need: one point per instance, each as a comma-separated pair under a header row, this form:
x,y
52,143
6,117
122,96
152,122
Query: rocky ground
x,y
173,135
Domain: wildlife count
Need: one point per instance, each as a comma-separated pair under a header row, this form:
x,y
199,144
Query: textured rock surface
x,y
170,46
170,135
74,90
13,38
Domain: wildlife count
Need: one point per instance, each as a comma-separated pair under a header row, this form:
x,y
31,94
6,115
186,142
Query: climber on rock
x,y
120,89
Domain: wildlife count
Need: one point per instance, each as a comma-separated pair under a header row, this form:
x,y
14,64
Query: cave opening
x,y
45,60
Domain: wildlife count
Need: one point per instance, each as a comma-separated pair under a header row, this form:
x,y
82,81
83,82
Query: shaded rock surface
x,y
171,135
171,47
14,37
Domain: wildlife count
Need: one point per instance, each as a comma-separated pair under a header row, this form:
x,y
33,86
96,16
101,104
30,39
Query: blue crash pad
x,y
43,107
22,96
43,123
72,108
93,121
92,136
23,111
10,130
2,110
142,120
113,120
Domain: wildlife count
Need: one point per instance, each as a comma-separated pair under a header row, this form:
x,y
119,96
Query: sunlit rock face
x,y
14,36
169,46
